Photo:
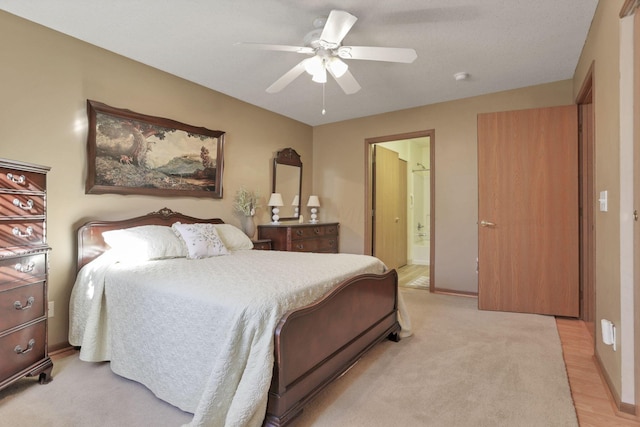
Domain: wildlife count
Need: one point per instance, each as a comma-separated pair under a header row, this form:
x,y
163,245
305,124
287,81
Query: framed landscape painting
x,y
132,153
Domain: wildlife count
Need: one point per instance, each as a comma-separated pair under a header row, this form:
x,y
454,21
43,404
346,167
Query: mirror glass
x,y
287,180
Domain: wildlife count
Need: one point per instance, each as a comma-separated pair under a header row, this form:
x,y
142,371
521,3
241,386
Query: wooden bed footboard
x,y
316,344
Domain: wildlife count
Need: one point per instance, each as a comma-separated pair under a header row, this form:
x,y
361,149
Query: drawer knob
x,y
299,246
28,268
18,305
19,180
299,232
19,349
316,230
26,207
28,232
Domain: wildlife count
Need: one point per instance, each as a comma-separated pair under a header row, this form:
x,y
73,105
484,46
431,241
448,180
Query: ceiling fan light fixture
x,y
314,65
320,76
324,45
337,66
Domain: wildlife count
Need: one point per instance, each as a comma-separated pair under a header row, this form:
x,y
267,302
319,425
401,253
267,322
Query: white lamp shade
x,y
320,76
313,202
275,200
296,201
337,66
313,65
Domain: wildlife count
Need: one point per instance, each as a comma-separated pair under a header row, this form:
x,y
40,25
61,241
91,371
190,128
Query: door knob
x,y
484,223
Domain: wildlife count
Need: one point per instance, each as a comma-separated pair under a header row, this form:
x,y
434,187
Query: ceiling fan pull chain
x,y
323,110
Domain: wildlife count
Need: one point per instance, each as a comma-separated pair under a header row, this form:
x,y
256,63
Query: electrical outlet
x,y
51,309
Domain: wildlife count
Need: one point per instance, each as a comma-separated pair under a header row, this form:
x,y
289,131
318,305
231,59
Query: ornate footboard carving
x,y
316,344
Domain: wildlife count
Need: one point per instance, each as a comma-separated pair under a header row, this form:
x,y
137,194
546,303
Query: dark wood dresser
x,y
322,237
23,272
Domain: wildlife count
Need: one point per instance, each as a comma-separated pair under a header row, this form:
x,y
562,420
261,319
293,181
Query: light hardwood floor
x,y
409,273
594,405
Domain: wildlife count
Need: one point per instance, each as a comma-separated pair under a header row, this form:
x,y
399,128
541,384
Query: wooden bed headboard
x,y
90,243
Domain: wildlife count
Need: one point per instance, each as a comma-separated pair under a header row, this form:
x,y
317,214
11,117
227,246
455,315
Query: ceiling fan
x,y
324,45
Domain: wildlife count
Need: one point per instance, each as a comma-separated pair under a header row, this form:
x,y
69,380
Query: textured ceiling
x,y
502,44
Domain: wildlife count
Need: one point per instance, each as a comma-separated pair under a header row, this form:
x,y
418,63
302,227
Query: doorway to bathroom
x,y
400,200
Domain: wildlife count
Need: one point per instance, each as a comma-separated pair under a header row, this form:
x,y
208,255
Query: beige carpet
x,y
462,367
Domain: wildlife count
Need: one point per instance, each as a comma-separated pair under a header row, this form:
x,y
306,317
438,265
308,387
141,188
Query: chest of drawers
x,y
296,237
23,272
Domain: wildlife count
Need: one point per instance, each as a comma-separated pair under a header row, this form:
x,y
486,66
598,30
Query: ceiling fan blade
x,y
347,82
287,78
337,26
279,47
389,54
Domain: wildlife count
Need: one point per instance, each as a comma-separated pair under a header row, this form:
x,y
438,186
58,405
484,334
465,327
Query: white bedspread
x,y
199,333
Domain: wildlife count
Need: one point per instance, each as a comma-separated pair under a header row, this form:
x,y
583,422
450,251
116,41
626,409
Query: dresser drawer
x,y
21,305
21,205
22,180
21,233
18,270
321,237
262,244
323,244
22,348
315,231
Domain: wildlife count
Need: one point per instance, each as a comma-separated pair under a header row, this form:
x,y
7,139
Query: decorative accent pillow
x,y
233,238
145,242
201,240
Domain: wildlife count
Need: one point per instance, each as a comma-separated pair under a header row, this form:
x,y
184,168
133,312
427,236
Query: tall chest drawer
x,y
21,305
15,179
22,233
22,348
23,269
21,205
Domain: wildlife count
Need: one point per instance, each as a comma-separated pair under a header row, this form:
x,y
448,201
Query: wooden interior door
x,y
636,191
385,209
587,205
528,211
402,226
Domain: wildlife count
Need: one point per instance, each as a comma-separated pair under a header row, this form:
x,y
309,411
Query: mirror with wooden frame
x,y
287,180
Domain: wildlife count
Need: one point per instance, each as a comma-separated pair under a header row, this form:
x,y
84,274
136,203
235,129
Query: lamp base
x,y
314,216
275,217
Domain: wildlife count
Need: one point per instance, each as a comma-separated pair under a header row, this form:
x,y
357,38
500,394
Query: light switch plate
x,y
603,201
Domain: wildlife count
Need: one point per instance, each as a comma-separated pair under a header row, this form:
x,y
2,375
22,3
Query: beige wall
x,y
45,80
603,46
339,172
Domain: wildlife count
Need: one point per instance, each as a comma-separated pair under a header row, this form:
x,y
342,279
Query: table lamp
x,y
296,205
314,204
275,201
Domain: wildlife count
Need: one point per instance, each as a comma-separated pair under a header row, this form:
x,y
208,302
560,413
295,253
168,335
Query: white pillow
x,y
145,242
201,240
233,238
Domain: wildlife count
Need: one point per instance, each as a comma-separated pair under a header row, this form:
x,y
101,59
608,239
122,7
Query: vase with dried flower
x,y
245,204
